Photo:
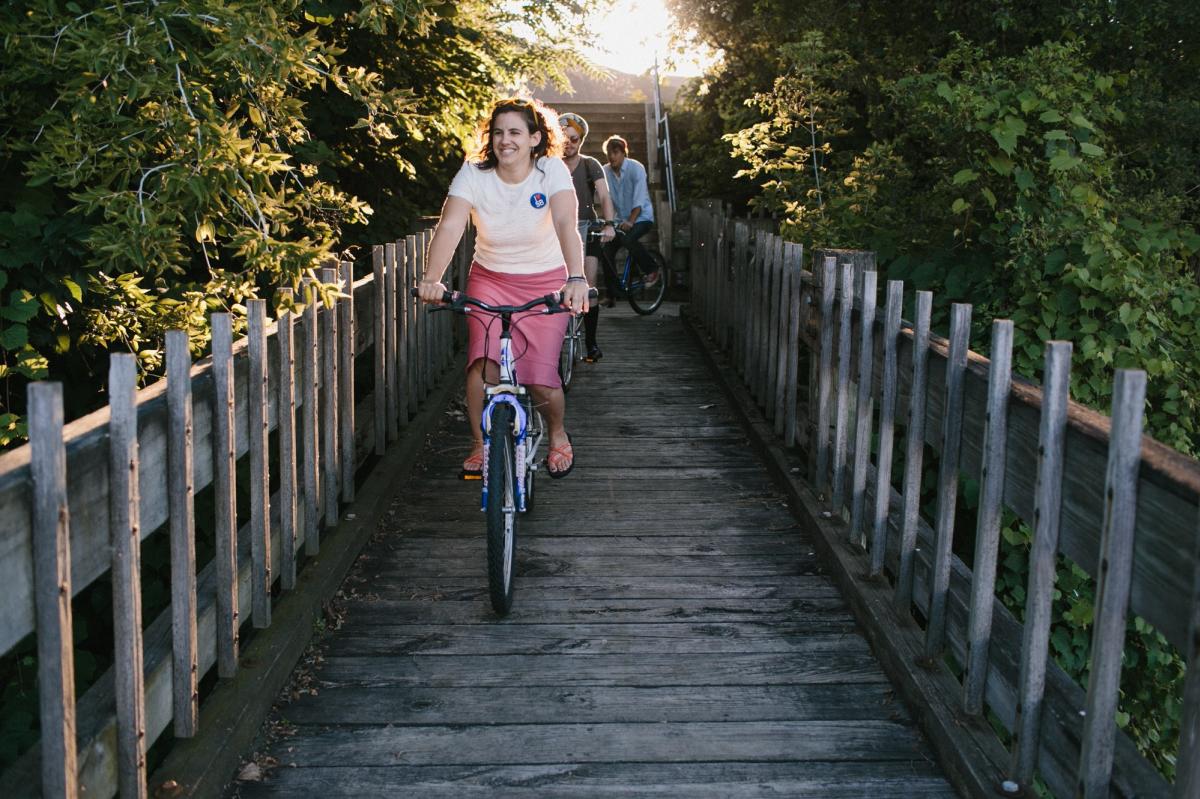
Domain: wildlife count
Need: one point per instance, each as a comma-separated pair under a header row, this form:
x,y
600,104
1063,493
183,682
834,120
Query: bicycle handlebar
x,y
458,302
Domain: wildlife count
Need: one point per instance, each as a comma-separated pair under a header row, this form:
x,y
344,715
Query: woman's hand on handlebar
x,y
575,296
431,291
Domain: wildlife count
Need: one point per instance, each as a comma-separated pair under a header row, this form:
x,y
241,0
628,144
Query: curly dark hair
x,y
538,118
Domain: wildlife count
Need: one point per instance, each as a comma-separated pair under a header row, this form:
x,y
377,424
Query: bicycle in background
x,y
625,277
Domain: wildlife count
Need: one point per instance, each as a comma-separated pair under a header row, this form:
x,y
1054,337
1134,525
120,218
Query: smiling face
x,y
616,157
511,139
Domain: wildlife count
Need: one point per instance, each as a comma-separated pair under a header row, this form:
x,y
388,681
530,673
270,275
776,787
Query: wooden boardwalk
x,y
673,632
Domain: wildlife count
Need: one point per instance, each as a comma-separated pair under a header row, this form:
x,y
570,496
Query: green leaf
x,y
1024,179
1055,135
20,309
1050,116
1090,149
959,206
944,91
989,196
1001,163
964,176
14,337
73,287
1064,161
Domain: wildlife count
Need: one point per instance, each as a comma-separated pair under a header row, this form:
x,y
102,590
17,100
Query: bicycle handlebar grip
x,y
447,296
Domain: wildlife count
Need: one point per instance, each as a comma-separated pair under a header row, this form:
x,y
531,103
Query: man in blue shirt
x,y
631,197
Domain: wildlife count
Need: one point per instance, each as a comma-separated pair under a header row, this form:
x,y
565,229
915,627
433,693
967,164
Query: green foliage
x,y
162,160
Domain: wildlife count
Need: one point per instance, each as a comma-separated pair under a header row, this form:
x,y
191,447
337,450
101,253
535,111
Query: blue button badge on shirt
x,y
537,200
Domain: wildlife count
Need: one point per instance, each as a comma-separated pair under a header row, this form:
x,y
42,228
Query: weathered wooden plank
x,y
330,431
803,780
887,426
550,587
782,319
1042,561
550,743
183,535
260,479
695,565
956,365
598,670
804,639
225,492
368,610
864,407
795,260
385,399
311,450
774,295
52,583
346,354
987,520
463,704
914,449
825,373
533,544
288,493
1112,585
397,357
842,412
412,330
126,576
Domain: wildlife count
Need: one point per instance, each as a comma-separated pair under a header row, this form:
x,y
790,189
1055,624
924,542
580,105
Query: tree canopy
x,y
163,159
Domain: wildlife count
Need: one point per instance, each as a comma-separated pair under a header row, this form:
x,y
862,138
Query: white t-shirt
x,y
514,227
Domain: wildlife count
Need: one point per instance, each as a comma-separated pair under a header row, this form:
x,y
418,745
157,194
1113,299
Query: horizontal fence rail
x,y
78,500
848,383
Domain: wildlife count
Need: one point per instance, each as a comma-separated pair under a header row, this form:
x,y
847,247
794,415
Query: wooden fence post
x,y
864,407
51,531
1112,584
795,260
914,452
346,381
260,481
987,524
225,494
825,373
842,414
952,411
384,401
286,408
126,539
183,534
887,426
331,468
1039,596
311,414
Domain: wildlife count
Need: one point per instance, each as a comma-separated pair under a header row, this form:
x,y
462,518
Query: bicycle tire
x,y
567,355
642,298
501,510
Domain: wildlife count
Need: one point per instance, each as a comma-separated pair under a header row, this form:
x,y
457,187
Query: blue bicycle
x,y
513,430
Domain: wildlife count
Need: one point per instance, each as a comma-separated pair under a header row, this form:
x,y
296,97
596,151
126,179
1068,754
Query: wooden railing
x,y
833,375
79,498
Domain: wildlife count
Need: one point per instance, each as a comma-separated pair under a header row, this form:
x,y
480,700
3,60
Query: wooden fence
x,y
838,378
79,498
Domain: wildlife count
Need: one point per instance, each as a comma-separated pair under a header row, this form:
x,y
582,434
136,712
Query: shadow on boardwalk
x,y
673,633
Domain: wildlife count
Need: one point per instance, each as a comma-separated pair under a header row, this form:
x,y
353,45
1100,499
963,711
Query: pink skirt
x,y
536,338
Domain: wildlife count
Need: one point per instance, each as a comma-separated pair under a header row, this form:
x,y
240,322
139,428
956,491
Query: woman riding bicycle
x,y
521,199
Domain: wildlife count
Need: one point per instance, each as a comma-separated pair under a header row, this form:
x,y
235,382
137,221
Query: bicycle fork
x,y
519,440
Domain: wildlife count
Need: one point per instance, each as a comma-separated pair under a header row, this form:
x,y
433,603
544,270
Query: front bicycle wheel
x,y
646,291
501,510
570,351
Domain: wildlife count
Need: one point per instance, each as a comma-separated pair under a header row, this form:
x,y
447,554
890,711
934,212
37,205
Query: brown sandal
x,y
563,452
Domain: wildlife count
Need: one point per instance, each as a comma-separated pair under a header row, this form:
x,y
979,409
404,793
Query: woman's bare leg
x,y
475,385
